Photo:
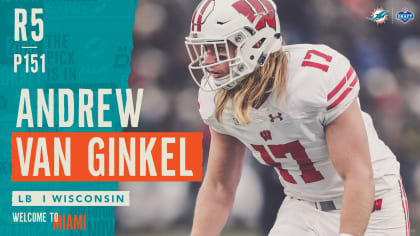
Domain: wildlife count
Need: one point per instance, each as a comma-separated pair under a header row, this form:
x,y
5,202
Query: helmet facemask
x,y
200,71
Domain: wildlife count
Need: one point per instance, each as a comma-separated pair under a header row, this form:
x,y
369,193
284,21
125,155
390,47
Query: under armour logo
x,y
266,135
274,117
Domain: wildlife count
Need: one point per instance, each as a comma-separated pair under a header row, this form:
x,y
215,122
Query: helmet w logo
x,y
256,8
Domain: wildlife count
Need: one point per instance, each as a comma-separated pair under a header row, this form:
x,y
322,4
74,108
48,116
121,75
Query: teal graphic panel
x,y
83,45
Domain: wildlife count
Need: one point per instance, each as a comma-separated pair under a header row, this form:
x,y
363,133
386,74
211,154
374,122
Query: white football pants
x,y
303,218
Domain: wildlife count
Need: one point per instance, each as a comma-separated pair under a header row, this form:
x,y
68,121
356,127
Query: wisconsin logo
x,y
252,8
404,16
379,16
266,135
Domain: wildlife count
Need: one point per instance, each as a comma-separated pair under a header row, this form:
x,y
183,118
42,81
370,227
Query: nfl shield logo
x,y
405,16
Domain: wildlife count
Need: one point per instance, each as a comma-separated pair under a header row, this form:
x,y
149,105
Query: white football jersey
x,y
290,137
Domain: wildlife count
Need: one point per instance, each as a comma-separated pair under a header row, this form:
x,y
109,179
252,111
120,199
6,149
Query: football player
x,y
296,108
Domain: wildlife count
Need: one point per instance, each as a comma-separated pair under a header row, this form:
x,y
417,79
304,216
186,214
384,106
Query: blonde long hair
x,y
255,88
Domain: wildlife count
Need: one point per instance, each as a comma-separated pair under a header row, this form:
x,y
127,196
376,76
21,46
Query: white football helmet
x,y
252,26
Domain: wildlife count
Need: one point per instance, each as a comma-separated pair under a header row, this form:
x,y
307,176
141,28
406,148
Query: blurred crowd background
x,y
386,57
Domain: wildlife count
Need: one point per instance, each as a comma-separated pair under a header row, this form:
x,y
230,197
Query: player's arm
x,y
349,151
217,192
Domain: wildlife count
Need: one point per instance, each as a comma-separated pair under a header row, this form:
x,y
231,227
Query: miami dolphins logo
x,y
379,16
